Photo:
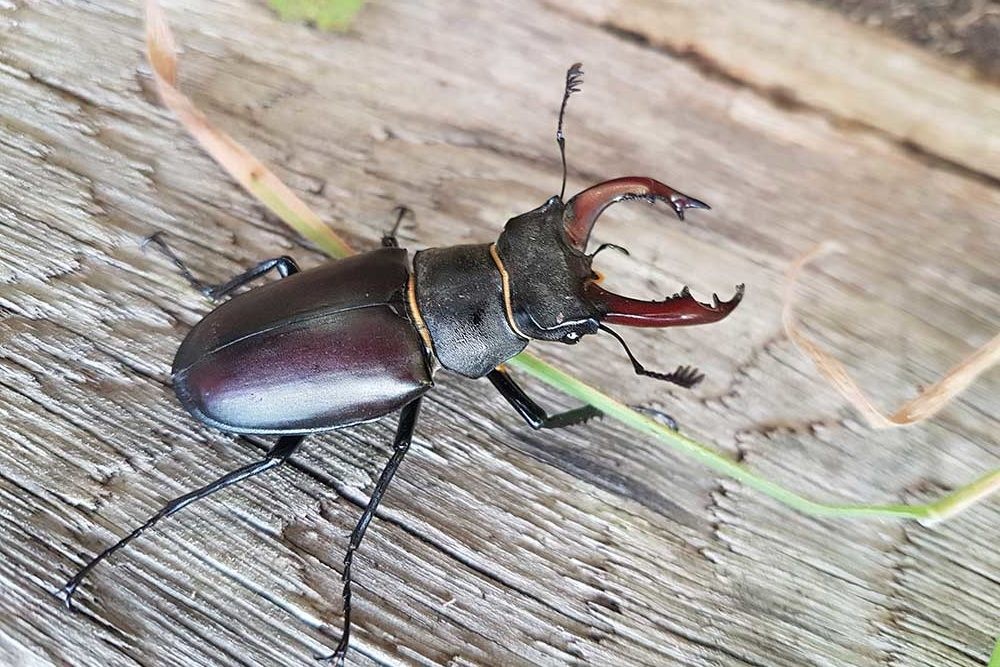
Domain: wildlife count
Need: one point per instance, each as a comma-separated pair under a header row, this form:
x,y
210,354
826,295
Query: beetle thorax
x,y
481,304
459,295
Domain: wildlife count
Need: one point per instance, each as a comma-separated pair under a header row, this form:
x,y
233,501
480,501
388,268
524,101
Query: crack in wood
x,y
785,98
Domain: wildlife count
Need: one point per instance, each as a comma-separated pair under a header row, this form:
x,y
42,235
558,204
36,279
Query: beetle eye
x,y
571,338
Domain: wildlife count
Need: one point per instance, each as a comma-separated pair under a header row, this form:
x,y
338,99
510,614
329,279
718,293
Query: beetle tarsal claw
x,y
66,593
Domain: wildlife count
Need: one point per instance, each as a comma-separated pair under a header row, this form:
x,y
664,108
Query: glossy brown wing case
x,y
318,350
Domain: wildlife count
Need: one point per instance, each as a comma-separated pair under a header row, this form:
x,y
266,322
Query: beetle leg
x,y
533,413
404,433
277,455
389,240
285,266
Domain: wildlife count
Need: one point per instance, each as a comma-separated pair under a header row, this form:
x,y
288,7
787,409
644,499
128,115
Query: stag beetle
x,y
359,338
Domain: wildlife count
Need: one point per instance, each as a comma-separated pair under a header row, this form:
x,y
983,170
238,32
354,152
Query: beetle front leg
x,y
534,414
285,266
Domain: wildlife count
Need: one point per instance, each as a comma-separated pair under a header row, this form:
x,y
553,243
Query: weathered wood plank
x,y
967,33
804,55
497,545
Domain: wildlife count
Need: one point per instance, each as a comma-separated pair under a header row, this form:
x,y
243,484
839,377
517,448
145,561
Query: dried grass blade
x,y
924,405
249,172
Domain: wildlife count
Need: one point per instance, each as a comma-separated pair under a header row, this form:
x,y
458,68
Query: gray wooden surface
x,y
497,545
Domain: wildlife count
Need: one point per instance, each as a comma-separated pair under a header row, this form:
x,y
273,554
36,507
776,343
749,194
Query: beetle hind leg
x,y
284,265
277,455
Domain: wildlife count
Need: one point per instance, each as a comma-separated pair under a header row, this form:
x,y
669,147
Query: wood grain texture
x,y
804,55
497,545
965,31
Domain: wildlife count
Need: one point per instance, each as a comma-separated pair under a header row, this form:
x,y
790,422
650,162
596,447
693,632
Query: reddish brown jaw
x,y
679,310
583,210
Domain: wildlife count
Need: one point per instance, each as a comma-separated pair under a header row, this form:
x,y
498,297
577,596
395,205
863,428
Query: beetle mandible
x,y
359,338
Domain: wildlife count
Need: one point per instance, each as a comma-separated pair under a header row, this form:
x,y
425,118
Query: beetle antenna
x,y
683,376
613,246
574,78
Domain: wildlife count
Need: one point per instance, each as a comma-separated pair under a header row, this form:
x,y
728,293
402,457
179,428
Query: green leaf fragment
x,y
324,14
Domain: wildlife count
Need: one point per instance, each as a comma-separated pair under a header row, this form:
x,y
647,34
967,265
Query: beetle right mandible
x,y
359,338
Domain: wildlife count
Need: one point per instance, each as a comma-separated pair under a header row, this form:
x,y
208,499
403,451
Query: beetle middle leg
x,y
404,434
277,455
284,265
389,239
532,412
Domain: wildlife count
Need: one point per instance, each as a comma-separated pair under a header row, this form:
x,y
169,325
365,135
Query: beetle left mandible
x,y
357,339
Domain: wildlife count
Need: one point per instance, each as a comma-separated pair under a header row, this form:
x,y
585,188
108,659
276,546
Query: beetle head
x,y
553,290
